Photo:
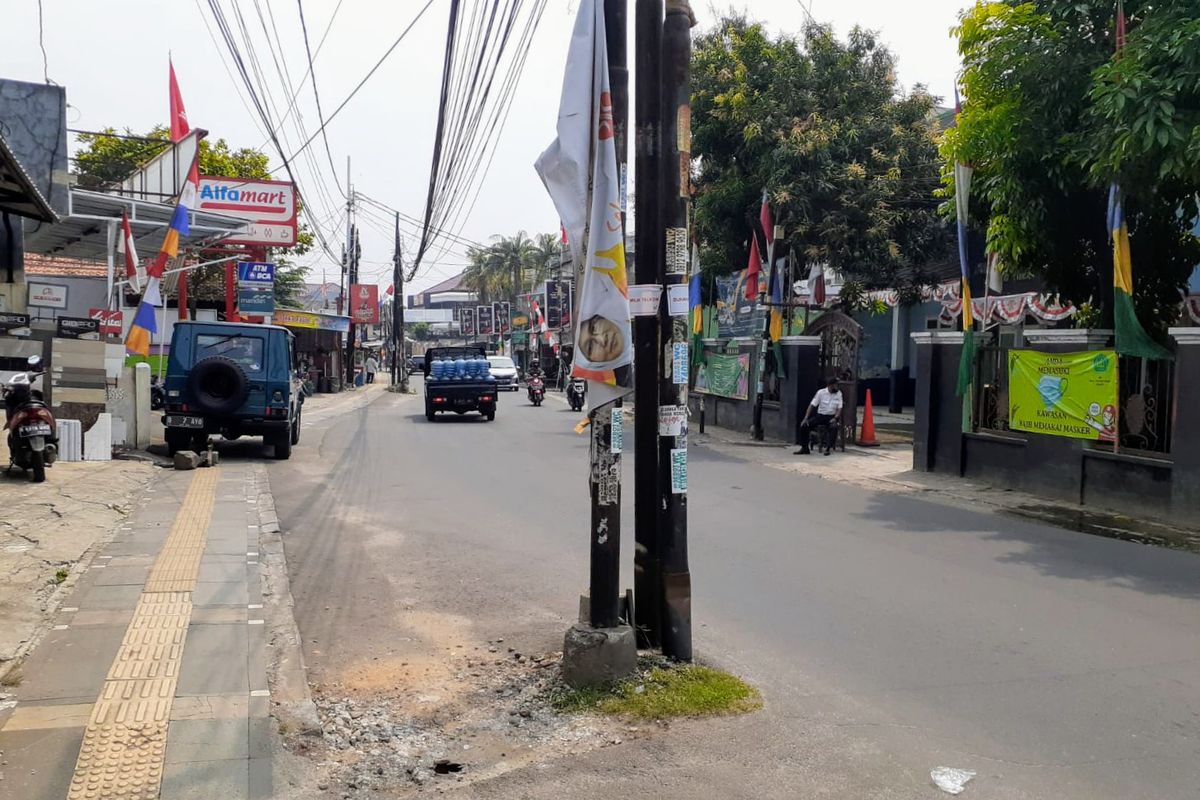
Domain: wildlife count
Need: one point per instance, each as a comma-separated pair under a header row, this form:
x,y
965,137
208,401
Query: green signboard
x,y
725,376
1063,394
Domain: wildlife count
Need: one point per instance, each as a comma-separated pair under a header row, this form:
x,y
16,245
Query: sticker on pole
x,y
644,299
677,251
671,420
677,299
679,471
679,363
617,437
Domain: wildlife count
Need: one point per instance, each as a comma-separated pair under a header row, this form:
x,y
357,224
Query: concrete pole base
x,y
595,656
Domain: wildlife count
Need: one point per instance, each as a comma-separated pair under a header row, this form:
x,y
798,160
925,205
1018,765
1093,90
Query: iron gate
x,y
841,338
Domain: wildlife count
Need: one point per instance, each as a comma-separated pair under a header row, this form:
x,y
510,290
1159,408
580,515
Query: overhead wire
x,y
317,94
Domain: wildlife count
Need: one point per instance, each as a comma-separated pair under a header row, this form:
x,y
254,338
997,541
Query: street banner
x,y
486,320
309,320
466,321
580,172
503,318
725,376
737,316
364,303
1063,394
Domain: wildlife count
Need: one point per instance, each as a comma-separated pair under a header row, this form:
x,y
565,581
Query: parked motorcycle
x,y
576,393
32,431
537,390
158,394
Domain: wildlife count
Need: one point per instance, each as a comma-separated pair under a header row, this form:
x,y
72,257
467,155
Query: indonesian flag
x,y
179,120
765,219
562,239
128,250
753,268
816,284
391,289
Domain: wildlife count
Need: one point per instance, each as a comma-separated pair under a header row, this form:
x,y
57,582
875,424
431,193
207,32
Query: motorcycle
x,y
576,393
32,431
158,394
537,390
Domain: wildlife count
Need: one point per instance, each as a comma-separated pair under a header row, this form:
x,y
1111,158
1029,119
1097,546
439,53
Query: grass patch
x,y
61,575
665,692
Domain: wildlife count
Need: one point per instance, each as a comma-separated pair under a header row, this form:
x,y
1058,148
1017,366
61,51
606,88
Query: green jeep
x,y
233,379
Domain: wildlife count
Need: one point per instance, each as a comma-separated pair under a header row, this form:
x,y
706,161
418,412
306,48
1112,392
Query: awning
x,y
18,194
83,231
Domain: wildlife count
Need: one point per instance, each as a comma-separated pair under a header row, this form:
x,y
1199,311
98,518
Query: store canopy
x,y
83,231
18,194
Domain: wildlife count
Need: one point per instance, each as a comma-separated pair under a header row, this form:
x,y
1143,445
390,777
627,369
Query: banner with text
x,y
725,376
1063,394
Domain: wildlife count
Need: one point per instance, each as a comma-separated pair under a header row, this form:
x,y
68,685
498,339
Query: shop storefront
x,y
318,345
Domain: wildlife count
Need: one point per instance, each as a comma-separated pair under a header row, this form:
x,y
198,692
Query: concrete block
x,y
187,459
209,458
595,656
97,442
142,414
70,440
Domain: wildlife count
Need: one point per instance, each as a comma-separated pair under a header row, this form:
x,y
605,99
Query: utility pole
x,y
648,247
399,369
349,270
673,331
605,577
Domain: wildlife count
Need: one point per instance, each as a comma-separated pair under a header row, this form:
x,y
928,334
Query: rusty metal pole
x,y
647,588
674,333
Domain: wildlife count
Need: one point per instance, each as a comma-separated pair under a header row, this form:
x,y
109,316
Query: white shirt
x,y
827,402
372,365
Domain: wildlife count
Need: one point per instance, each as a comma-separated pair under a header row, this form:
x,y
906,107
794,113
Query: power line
x,y
378,64
42,43
317,94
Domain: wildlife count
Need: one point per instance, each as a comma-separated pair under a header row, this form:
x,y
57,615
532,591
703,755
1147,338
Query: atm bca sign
x,y
269,206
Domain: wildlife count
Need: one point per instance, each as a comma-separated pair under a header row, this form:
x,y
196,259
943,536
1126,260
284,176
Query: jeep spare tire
x,y
218,385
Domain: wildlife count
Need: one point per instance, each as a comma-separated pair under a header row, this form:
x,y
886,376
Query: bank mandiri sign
x,y
270,207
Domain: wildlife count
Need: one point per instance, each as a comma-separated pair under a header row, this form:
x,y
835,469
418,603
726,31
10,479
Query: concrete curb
x,y
287,673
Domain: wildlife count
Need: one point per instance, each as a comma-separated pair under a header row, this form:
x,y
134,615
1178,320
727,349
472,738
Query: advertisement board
x,y
11,322
725,376
269,207
466,321
364,303
737,317
77,328
110,320
258,273
47,295
255,299
1063,394
503,318
310,321
486,320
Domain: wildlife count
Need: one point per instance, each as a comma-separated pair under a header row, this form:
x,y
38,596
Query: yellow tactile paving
x,y
125,741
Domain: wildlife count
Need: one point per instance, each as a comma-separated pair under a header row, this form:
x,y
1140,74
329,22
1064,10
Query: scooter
x,y
32,431
537,390
576,393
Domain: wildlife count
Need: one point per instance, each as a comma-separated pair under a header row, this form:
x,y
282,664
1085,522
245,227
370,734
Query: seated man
x,y
823,412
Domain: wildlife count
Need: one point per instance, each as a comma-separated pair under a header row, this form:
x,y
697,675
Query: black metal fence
x,y
1147,396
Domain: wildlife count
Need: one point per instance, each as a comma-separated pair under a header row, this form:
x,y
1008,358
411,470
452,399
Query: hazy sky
x,y
112,58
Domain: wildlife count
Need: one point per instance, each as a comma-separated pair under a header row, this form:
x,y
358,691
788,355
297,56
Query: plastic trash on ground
x,y
951,780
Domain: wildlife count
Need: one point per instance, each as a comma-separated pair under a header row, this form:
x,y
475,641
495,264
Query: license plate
x,y
463,401
180,421
37,429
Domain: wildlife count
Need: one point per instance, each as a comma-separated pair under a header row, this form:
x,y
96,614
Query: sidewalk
x,y
153,681
888,468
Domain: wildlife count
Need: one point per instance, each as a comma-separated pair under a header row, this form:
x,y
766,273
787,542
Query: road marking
x,y
125,741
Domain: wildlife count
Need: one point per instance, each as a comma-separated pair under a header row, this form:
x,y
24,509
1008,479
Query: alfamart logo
x,y
247,198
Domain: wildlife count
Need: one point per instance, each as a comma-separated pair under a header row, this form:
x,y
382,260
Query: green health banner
x,y
725,376
1063,394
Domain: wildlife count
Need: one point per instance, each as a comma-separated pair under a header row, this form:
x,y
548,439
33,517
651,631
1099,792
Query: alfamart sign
x,y
270,207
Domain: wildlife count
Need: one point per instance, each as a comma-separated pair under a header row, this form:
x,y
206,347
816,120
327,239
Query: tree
x,y
1052,117
503,269
849,162
420,331
105,159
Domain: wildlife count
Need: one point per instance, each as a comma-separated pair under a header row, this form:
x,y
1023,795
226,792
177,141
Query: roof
x,y
449,285
18,194
83,231
64,267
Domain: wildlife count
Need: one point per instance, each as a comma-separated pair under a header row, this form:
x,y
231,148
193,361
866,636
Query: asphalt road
x,y
889,635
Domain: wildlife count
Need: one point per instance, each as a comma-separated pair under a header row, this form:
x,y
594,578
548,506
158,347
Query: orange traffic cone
x,y
867,437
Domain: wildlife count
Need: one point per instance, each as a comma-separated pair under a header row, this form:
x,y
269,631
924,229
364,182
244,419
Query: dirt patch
x,y
406,725
47,530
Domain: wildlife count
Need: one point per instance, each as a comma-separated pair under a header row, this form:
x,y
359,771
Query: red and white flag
x,y
391,289
128,250
179,120
753,268
767,222
816,285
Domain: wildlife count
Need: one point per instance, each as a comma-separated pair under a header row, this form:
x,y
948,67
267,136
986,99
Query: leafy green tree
x,y
420,331
1052,116
104,159
850,163
505,268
